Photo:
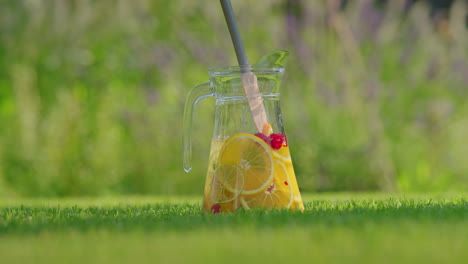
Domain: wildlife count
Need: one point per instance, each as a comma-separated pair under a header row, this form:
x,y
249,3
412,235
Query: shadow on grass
x,y
180,217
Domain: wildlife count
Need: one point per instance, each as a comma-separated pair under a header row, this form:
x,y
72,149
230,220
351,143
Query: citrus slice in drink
x,y
278,194
297,203
227,183
254,158
283,155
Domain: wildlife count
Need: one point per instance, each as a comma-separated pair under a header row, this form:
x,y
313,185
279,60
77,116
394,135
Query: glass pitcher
x,y
247,168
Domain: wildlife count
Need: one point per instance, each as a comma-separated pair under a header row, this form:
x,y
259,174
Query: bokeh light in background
x,y
92,92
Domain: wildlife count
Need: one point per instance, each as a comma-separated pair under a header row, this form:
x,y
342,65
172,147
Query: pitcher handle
x,y
195,95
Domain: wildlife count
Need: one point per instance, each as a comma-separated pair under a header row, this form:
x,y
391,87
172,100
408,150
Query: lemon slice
x,y
227,183
278,194
254,158
283,155
297,203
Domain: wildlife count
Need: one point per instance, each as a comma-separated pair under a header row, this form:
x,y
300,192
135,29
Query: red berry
x,y
215,208
276,140
262,136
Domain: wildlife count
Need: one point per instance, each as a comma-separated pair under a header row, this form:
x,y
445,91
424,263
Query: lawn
x,y
335,228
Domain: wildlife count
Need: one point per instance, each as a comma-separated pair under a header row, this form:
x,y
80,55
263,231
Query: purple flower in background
x,y
371,20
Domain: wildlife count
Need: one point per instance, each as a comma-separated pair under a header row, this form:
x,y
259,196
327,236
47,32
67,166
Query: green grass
x,y
92,94
335,228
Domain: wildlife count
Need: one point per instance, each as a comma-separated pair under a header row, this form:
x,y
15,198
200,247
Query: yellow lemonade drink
x,y
251,171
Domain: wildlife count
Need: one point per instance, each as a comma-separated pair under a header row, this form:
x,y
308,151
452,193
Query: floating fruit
x,y
253,156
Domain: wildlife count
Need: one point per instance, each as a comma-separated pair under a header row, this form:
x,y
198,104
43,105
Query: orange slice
x,y
267,129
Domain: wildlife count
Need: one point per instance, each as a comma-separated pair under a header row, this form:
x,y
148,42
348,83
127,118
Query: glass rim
x,y
236,70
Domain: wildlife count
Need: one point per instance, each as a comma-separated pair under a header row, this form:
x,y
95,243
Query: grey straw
x,y
235,35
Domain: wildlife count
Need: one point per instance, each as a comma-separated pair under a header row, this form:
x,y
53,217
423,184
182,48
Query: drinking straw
x,y
249,80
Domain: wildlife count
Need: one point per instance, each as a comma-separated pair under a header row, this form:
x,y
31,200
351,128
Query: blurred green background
x,y
92,92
